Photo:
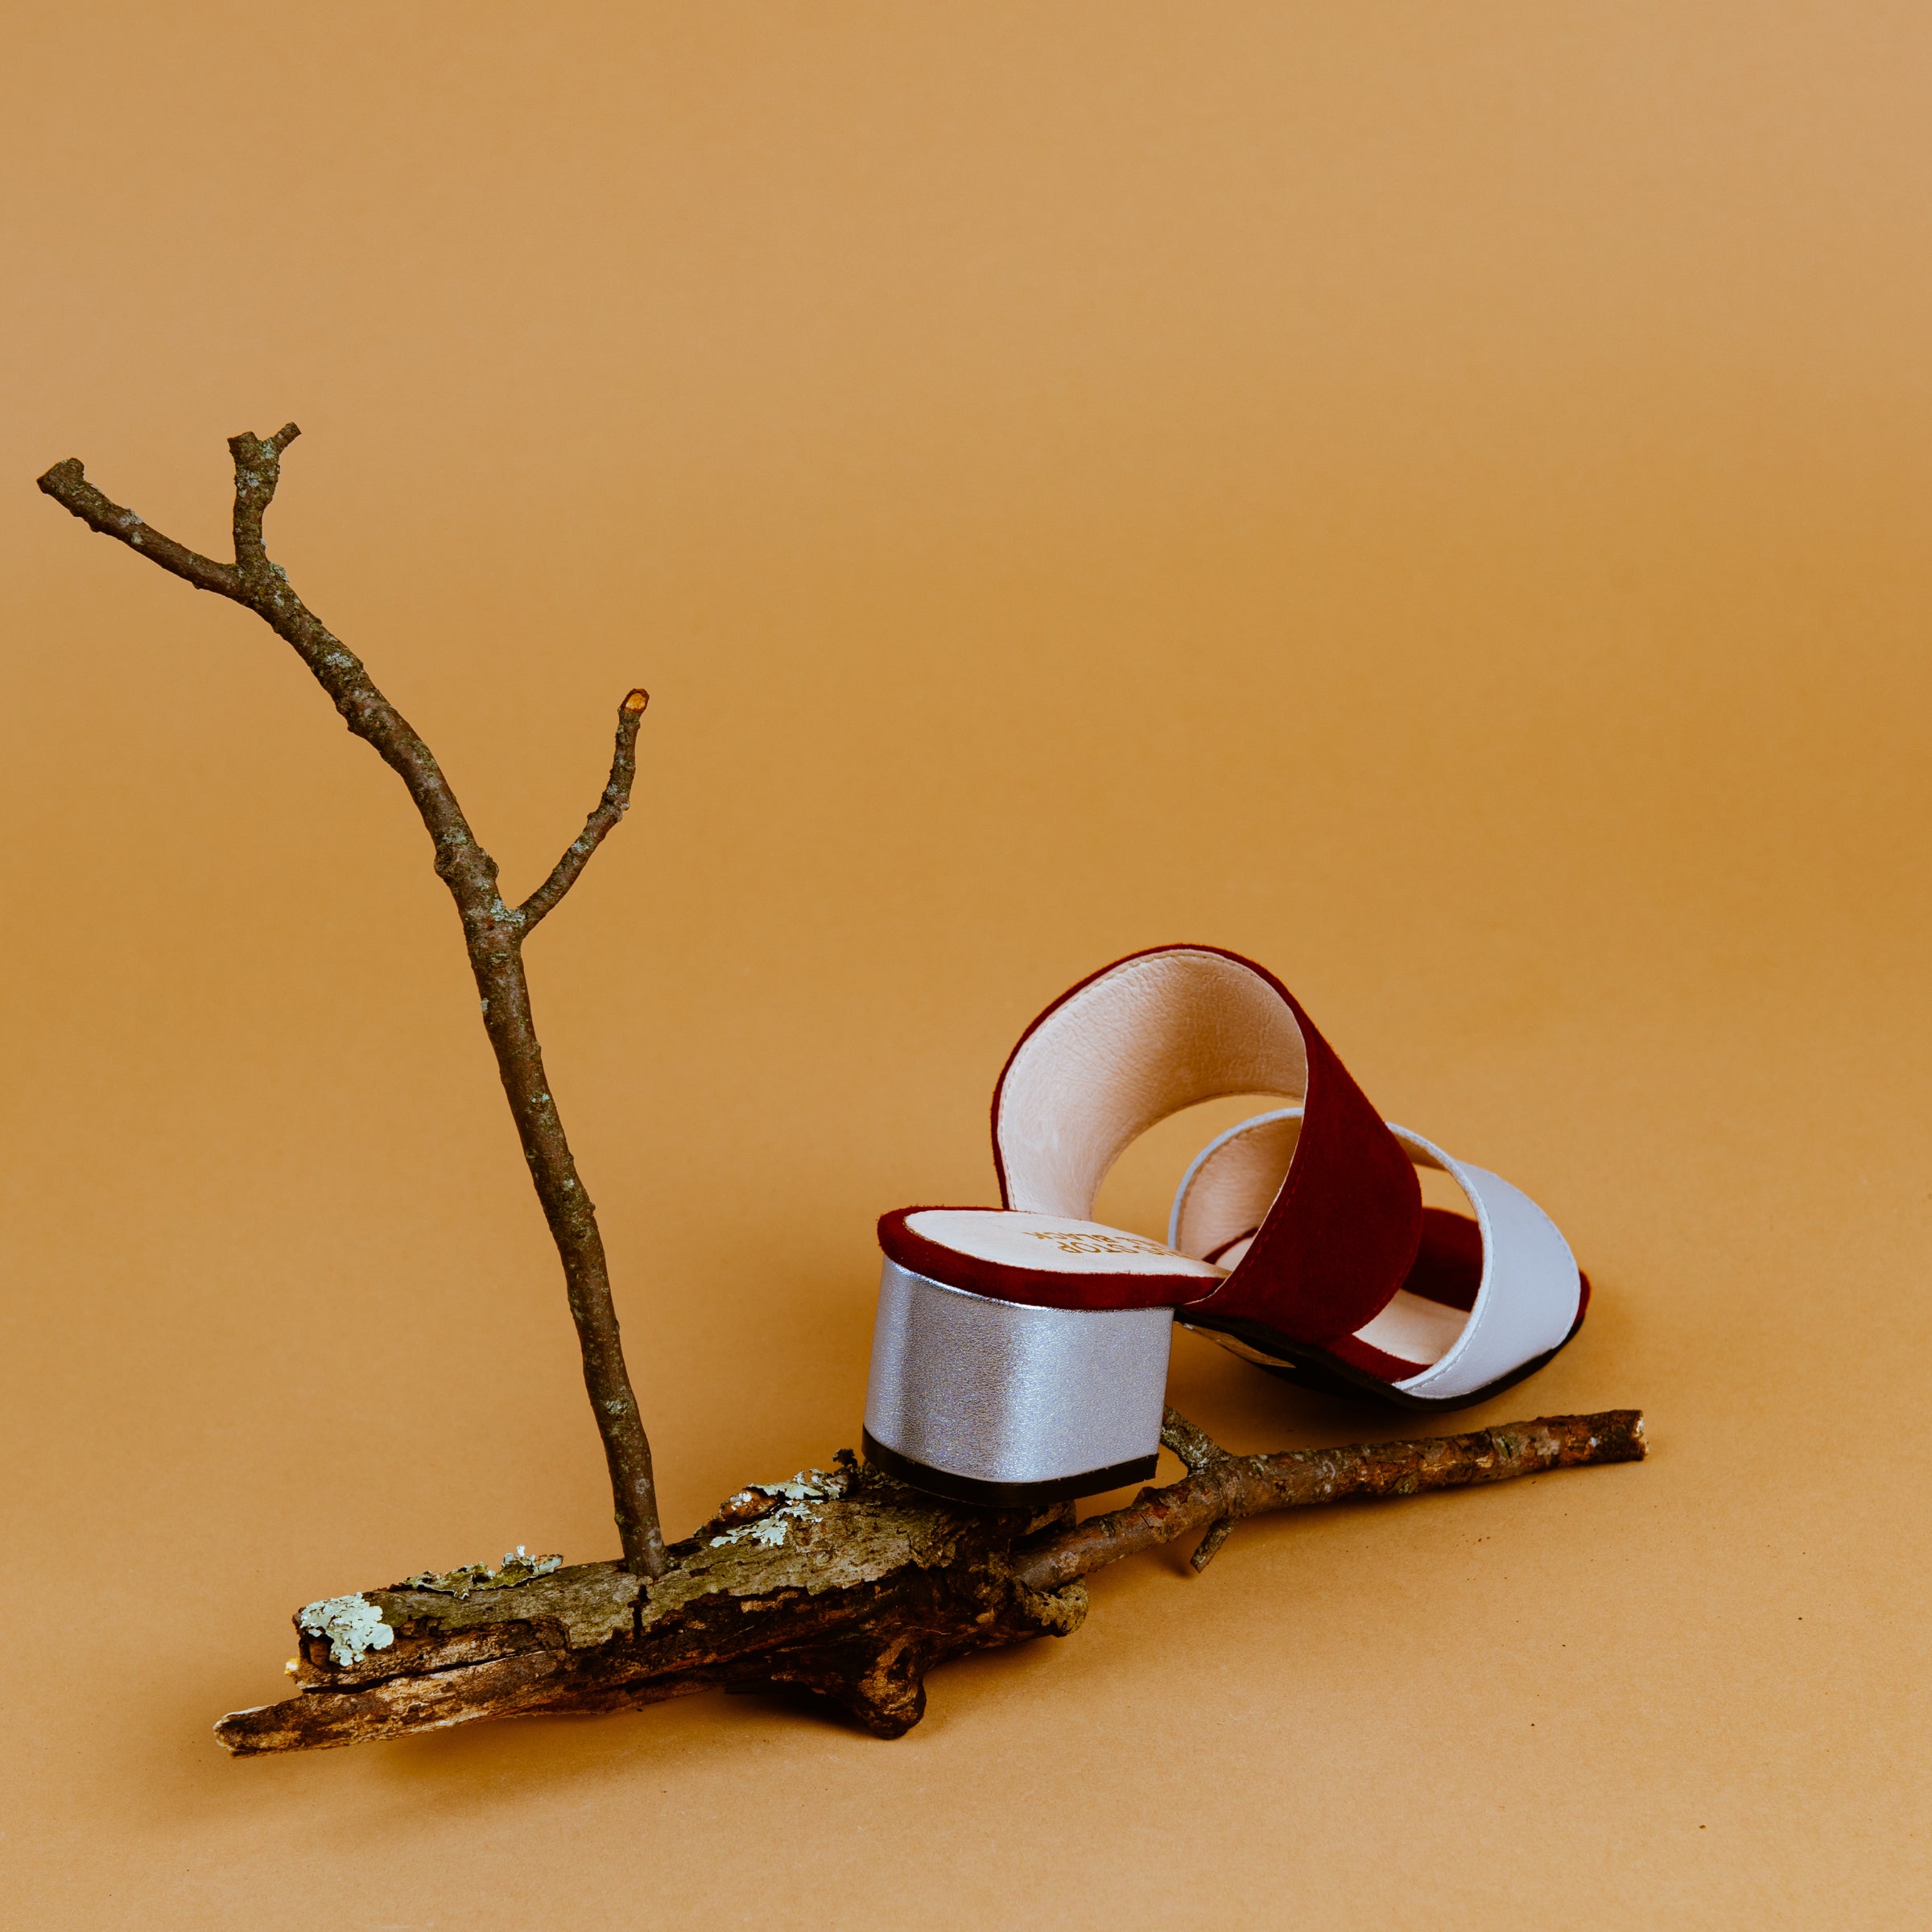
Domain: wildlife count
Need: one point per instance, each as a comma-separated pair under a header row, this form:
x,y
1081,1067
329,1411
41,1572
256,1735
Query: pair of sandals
x,y
1020,1353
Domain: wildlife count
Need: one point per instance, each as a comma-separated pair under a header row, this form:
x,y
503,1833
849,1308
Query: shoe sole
x,y
1309,1367
1004,1496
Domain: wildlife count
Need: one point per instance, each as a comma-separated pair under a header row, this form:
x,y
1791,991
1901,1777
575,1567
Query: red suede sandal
x,y
1020,1353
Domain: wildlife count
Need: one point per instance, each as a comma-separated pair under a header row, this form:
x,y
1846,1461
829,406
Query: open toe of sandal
x,y
1492,1294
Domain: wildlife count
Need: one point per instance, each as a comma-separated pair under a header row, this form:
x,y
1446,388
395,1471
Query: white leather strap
x,y
1530,1291
1232,1183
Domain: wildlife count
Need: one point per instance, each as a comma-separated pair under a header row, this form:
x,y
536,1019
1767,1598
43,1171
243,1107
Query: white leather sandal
x,y
1020,1353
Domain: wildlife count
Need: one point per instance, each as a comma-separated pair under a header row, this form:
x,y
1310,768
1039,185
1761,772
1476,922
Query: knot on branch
x,y
1056,1613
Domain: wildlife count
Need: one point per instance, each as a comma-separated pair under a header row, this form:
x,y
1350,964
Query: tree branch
x,y
843,1583
492,932
610,809
1220,1488
68,484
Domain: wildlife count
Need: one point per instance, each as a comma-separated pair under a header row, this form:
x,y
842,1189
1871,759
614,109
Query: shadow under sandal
x,y
1020,1353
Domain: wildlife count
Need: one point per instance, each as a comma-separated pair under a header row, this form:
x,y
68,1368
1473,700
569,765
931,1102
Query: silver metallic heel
x,y
1003,1404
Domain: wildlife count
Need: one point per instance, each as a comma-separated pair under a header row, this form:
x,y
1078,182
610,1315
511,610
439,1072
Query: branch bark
x,y
844,1583
1220,1490
608,810
492,931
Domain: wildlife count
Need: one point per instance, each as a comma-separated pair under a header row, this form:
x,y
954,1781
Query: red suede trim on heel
x,y
1094,1290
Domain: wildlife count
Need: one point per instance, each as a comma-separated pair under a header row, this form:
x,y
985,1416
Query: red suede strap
x,y
1343,1231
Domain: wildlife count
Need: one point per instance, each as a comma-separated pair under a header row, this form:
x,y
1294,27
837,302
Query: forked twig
x,y
492,932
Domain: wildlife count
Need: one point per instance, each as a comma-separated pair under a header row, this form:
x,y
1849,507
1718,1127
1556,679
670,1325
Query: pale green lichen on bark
x,y
822,1531
519,1566
586,1604
352,1624
817,1535
764,1512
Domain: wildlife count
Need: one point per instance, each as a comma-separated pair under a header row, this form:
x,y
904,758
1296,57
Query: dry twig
x,y
494,933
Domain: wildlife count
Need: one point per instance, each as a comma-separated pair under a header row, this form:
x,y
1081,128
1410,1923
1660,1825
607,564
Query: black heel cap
x,y
1004,1496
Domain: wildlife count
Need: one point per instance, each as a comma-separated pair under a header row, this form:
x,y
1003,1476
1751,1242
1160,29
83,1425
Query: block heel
x,y
1005,1404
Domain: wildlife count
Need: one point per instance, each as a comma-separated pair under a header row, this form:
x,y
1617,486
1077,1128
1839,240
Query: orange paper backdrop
x,y
1433,498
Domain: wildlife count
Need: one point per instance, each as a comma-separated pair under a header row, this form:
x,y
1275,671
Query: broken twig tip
x,y
247,446
638,700
1204,1551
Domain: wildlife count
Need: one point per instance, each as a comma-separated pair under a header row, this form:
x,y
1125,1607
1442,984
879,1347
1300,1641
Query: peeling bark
x,y
844,1583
